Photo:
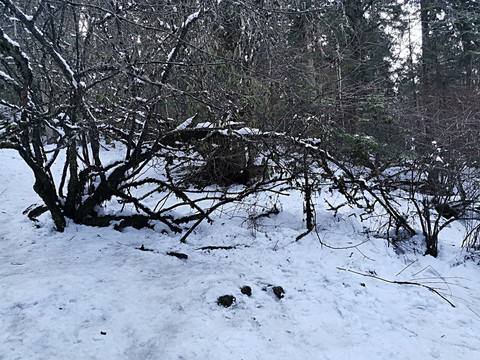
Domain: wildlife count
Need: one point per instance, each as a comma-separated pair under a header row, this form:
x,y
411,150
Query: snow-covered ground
x,y
89,293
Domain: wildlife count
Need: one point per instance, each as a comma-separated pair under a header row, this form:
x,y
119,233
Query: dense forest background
x,y
379,100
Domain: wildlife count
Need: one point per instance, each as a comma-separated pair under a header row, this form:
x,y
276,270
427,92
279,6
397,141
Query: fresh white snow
x,y
186,123
6,77
191,18
67,68
9,40
88,293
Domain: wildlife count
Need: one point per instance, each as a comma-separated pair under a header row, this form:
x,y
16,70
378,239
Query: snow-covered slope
x,y
89,293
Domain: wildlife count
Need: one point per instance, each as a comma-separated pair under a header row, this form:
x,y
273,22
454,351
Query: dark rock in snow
x,y
246,290
178,255
278,291
226,300
136,221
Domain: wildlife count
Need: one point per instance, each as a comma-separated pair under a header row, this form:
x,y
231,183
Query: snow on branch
x,y
186,123
180,43
8,46
28,23
10,41
191,18
8,105
7,78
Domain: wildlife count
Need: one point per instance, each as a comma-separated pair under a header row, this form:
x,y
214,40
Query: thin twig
x,y
425,268
406,267
365,256
338,248
438,276
469,308
399,283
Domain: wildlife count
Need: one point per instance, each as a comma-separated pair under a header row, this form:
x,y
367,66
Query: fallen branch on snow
x,y
217,247
399,283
